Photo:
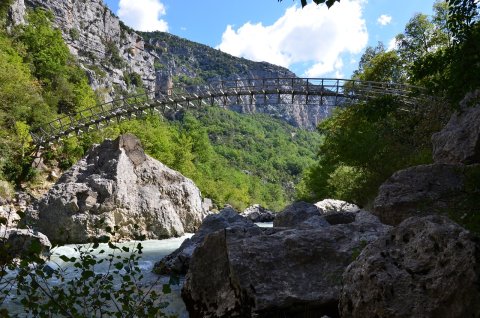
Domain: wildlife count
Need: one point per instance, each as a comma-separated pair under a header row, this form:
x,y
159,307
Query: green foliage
x,y
365,144
6,190
463,15
4,6
112,54
378,65
74,34
38,79
451,71
329,3
133,79
65,84
46,49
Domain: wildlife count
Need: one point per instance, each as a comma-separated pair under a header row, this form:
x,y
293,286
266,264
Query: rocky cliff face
x,y
188,63
112,54
107,49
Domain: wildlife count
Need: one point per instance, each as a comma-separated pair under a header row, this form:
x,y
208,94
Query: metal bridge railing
x,y
273,91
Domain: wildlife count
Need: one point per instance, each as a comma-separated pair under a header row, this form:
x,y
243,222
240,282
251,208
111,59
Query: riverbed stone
x,y
21,243
426,267
274,272
257,213
117,186
296,214
336,206
178,261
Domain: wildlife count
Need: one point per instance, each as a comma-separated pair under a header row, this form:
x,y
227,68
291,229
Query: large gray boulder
x,y
296,214
118,186
257,213
178,261
459,141
23,243
430,189
323,213
425,267
274,272
336,206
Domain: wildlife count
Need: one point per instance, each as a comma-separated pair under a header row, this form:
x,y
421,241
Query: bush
x,y
6,190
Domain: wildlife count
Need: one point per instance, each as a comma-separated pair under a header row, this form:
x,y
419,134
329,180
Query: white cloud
x,y
313,35
143,15
384,19
392,44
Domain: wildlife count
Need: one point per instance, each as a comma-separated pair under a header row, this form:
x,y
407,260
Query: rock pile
x,y
257,213
276,272
334,259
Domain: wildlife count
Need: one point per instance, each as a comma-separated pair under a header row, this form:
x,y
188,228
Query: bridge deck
x,y
272,91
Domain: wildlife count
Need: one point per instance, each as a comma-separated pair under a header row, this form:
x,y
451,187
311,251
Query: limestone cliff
x,y
108,50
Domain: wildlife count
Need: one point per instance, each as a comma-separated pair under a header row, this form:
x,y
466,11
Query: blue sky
x,y
313,41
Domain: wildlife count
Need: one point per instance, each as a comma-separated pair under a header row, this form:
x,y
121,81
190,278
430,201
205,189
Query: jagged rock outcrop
x,y
16,13
13,207
178,261
257,213
21,243
274,272
459,141
425,267
108,50
451,186
117,185
8,215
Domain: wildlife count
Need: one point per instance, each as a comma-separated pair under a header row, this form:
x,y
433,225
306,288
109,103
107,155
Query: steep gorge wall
x,y
107,49
112,53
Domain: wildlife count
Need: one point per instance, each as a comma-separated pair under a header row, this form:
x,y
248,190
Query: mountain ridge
x,y
119,60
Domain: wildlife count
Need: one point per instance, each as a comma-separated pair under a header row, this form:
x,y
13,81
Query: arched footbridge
x,y
271,91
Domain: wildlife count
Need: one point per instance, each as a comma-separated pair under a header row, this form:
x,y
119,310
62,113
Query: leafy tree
x,y
463,15
329,3
380,66
421,36
452,70
365,143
